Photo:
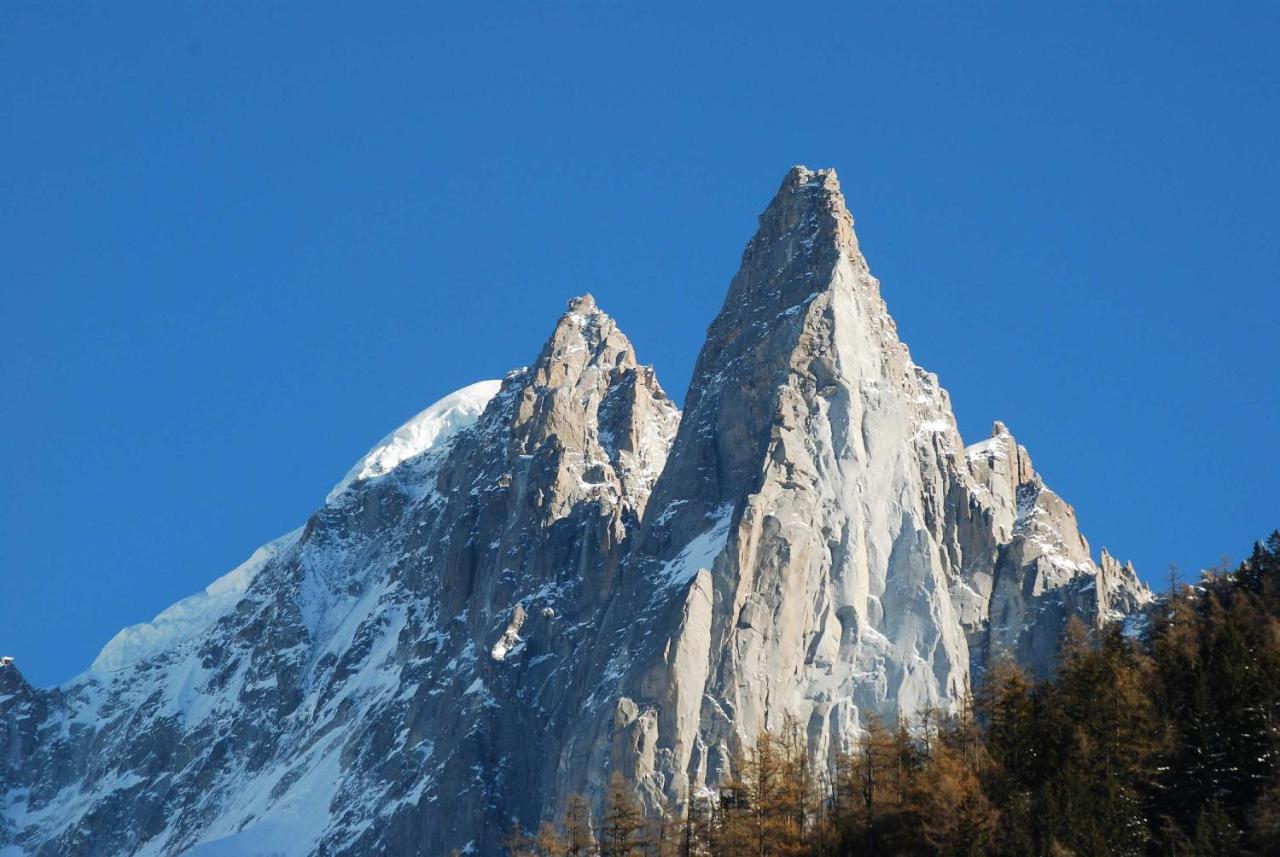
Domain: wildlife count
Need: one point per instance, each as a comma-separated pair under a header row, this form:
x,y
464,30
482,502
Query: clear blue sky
x,y
240,241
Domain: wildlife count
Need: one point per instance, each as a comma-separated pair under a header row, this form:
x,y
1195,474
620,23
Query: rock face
x,y
538,581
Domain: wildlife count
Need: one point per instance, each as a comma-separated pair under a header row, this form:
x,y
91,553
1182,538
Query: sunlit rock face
x,y
540,580
820,544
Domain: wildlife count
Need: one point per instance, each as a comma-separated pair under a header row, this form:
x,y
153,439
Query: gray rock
x,y
575,579
849,556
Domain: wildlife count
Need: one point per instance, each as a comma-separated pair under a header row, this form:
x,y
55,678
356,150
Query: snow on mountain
x,y
444,418
189,617
538,581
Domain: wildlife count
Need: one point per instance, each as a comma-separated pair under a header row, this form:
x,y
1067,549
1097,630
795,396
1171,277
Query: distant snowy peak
x,y
455,412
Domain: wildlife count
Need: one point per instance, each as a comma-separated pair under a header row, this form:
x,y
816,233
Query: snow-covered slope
x,y
191,616
437,423
540,580
187,619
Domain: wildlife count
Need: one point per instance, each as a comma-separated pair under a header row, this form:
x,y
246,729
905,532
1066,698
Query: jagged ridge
x,y
576,579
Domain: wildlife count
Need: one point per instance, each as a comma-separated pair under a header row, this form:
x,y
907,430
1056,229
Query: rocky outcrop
x,y
535,582
388,678
820,545
1043,573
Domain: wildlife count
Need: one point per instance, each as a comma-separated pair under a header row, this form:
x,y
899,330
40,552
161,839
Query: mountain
x,y
541,580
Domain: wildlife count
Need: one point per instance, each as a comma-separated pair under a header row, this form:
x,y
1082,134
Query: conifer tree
x,y
1167,745
1264,822
548,842
876,765
579,841
693,832
622,828
733,832
576,825
954,814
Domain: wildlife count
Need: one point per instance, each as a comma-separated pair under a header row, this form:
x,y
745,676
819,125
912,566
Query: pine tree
x,y
622,829
1264,822
798,792
1216,834
1216,662
579,841
954,814
548,842
1008,708
733,833
1100,734
1014,746
877,764
1168,746
693,832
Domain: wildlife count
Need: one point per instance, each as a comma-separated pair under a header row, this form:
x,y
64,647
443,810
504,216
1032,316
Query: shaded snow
x,y
297,820
702,551
189,617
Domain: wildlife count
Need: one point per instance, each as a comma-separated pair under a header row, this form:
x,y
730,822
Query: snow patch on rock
x,y
702,551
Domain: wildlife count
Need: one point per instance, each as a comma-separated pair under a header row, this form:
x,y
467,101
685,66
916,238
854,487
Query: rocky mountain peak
x,y
538,581
587,396
801,234
583,303
804,315
832,539
1002,467
584,343
11,678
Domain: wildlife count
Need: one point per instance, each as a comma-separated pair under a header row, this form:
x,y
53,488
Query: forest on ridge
x,y
1161,742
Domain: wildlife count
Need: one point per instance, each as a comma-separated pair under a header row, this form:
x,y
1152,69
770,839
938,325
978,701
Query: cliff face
x,y
820,544
537,581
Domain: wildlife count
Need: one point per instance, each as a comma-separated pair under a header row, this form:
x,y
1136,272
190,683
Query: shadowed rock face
x,y
577,580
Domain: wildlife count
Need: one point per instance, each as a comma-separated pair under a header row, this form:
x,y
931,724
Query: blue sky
x,y
239,242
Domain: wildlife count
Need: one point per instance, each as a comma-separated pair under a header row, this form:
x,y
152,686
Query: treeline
x,y
1163,744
